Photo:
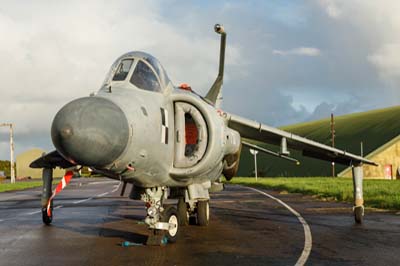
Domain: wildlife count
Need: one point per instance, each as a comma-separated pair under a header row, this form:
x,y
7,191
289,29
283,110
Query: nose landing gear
x,y
163,220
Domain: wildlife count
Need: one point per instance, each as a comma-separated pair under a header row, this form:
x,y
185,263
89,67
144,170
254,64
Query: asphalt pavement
x,y
246,227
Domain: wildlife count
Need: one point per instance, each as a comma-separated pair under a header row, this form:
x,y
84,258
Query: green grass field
x,y
384,194
19,185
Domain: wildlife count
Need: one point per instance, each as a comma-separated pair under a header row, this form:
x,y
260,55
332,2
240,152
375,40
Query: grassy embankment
x,y
383,194
19,185
374,128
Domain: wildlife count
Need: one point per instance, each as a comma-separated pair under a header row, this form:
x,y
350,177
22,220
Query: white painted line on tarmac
x,y
116,187
80,201
32,213
102,182
307,232
112,191
101,195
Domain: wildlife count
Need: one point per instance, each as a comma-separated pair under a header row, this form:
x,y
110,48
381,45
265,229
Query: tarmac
x,y
246,227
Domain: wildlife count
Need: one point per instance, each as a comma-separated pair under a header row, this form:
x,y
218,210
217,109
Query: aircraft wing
x,y
51,160
256,131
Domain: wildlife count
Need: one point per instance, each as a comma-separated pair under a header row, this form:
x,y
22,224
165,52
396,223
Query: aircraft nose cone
x,y
90,131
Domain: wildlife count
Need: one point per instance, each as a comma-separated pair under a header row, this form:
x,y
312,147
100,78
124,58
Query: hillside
x,y
373,128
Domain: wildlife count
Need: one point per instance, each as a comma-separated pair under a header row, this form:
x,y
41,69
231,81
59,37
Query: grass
x,y
19,185
384,194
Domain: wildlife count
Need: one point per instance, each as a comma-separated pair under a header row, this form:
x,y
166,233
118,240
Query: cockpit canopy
x,y
143,71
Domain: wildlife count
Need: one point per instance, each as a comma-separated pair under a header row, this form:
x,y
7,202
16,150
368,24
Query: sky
x,y
286,61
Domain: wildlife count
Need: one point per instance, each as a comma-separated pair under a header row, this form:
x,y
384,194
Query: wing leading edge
x,y
51,160
256,131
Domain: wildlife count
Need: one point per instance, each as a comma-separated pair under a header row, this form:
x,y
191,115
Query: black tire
x,y
192,220
359,214
203,213
183,212
45,217
170,215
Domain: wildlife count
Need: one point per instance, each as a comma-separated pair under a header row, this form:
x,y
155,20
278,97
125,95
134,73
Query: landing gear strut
x,y
47,175
358,208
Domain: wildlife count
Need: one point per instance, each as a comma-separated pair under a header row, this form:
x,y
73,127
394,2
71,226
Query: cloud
x,y
375,27
53,52
387,61
331,7
61,52
303,51
325,109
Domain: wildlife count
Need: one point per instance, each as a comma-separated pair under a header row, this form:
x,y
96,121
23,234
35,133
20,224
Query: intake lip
x,y
90,131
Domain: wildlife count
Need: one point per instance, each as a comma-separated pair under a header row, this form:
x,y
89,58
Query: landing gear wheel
x,y
45,217
203,213
192,220
359,214
183,212
170,215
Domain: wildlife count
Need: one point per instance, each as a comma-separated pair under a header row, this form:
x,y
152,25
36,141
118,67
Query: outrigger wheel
x,y
170,215
45,217
359,214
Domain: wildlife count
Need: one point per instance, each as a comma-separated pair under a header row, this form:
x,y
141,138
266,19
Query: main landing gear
x,y
194,212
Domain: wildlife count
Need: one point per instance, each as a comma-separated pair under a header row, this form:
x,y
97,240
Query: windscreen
x,y
123,70
144,78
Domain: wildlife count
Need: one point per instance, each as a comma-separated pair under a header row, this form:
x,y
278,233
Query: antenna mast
x,y
12,167
333,141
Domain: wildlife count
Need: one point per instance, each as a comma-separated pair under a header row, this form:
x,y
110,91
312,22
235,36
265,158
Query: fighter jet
x,y
168,141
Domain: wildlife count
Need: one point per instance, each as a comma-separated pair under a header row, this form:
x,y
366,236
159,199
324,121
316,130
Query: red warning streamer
x,y
63,183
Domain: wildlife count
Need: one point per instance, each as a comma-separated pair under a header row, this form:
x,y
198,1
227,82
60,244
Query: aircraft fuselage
x,y
150,138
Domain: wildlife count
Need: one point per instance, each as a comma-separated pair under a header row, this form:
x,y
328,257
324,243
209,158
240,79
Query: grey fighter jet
x,y
169,142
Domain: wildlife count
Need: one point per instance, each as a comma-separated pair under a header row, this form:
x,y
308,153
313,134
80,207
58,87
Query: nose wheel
x,y
170,216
